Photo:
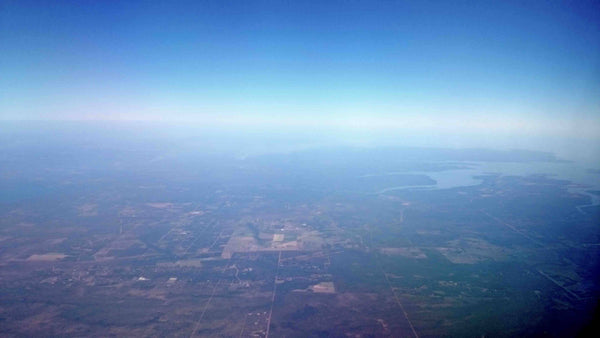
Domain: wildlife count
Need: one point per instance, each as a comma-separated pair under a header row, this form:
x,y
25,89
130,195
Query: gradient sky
x,y
528,67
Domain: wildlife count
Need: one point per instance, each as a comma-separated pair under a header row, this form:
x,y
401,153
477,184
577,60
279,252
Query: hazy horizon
x,y
242,140
461,73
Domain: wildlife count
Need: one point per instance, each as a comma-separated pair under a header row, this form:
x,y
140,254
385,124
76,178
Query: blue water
x,y
581,179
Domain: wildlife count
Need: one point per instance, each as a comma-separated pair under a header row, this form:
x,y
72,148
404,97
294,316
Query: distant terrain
x,y
102,238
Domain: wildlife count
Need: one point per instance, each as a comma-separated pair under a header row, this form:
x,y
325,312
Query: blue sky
x,y
449,66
